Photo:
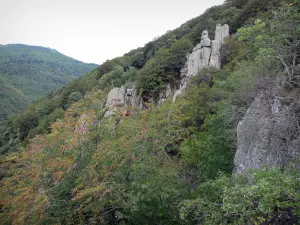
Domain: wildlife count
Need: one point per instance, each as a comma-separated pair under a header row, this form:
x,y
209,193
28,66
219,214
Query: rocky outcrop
x,y
215,60
269,134
119,99
221,33
206,54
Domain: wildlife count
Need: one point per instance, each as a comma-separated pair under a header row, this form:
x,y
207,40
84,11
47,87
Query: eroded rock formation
x,y
269,134
206,54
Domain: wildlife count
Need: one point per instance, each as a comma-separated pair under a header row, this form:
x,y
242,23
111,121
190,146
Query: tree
x,y
285,29
73,97
279,37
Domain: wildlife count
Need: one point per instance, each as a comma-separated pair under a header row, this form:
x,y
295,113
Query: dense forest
x,y
29,72
64,162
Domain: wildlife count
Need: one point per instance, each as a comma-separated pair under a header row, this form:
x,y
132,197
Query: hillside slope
x,y
29,72
113,147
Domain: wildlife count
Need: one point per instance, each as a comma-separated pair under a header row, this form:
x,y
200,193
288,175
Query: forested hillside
x,y
29,72
65,160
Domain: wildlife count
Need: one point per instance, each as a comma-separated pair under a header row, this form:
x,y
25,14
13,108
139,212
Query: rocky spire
x,y
222,32
206,54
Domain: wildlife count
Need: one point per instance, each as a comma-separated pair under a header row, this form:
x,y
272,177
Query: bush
x,y
265,196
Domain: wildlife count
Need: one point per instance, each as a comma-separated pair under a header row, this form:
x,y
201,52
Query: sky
x,y
93,31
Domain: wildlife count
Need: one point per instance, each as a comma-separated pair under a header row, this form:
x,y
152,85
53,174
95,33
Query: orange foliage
x,y
57,177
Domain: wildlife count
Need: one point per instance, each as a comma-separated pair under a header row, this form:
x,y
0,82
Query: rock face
x,y
269,134
115,97
206,54
215,60
221,32
119,98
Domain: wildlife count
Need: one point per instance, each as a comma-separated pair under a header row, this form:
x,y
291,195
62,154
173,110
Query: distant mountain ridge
x,y
29,72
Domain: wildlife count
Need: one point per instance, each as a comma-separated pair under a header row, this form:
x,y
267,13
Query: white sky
x,y
93,30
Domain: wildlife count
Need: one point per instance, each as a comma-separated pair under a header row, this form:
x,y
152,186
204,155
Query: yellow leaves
x,y
75,128
37,144
41,203
59,163
288,4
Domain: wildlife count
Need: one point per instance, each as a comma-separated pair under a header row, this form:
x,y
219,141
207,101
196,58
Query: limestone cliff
x,y
206,54
269,133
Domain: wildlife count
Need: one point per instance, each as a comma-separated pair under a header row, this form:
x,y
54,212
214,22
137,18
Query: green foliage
x,y
164,68
29,72
210,151
73,97
25,123
37,118
279,37
266,196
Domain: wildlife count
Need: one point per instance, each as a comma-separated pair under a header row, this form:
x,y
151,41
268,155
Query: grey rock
x,y
268,135
177,93
205,41
193,63
183,86
131,98
204,58
204,34
115,97
204,55
215,47
215,61
218,33
215,54
222,32
198,46
165,95
198,60
120,98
